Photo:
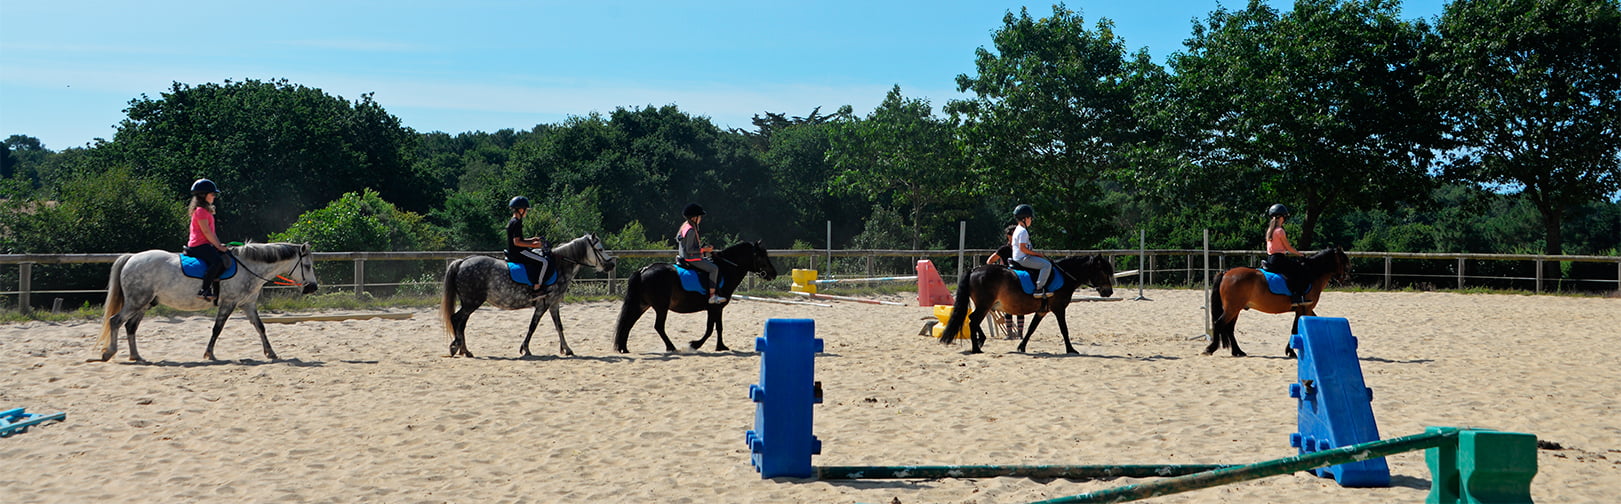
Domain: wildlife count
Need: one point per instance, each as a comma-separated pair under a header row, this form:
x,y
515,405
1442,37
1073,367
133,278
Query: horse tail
x,y
959,311
1216,309
113,305
447,303
631,309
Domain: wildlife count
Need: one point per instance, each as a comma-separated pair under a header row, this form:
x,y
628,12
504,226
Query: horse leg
x,y
534,320
458,325
1063,328
976,335
627,320
659,314
109,341
562,344
709,328
1289,351
130,325
713,325
219,323
252,310
1034,321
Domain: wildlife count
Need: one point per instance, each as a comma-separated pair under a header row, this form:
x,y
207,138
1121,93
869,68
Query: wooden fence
x,y
1166,267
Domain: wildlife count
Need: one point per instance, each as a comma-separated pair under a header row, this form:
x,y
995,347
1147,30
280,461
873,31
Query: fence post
x,y
25,285
1539,274
1206,276
1460,273
360,277
1387,273
962,241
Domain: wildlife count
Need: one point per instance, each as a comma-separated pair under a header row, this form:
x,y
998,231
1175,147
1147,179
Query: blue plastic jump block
x,y
1335,404
14,421
781,443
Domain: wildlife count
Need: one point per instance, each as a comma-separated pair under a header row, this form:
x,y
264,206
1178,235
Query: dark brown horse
x,y
1240,289
994,285
658,286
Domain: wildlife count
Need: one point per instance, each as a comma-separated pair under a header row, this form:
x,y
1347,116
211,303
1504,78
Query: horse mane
x,y
1324,261
270,252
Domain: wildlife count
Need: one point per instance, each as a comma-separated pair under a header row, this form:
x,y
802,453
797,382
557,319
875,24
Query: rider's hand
x,y
221,248
706,249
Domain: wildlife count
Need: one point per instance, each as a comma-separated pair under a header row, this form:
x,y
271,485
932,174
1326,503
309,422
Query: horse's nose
x,y
309,288
1106,291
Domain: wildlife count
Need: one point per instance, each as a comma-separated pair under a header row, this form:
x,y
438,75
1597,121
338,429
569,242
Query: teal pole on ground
x,y
1012,471
1315,460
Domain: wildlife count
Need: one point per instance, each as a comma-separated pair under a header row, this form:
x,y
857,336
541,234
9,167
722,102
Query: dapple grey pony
x,y
475,280
143,280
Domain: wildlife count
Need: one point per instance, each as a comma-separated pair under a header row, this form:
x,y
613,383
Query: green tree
x,y
275,148
1317,107
362,221
1532,93
901,155
1051,116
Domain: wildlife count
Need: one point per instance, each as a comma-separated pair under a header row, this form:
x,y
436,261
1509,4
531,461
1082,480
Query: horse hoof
x,y
722,348
1237,353
1206,352
271,356
568,353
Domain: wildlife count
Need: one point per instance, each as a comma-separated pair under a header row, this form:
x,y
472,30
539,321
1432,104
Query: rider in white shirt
x,y
1026,256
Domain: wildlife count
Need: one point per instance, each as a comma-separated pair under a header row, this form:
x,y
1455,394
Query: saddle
x,y
1027,277
1279,284
195,268
693,280
520,273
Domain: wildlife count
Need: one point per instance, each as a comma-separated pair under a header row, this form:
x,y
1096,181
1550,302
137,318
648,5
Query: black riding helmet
x,y
1277,210
518,202
204,186
692,210
1023,210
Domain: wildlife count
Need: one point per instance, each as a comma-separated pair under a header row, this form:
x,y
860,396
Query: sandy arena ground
x,y
372,411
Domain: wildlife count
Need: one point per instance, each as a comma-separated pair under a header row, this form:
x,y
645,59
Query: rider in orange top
x,y
1277,259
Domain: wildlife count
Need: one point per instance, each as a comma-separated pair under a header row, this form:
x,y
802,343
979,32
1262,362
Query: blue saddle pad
x,y
1279,286
520,274
1054,283
689,281
195,268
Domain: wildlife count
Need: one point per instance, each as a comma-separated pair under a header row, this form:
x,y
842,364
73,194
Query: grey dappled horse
x,y
143,280
479,279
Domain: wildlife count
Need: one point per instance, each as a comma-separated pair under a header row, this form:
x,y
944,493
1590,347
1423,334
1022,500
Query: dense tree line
x,y
1492,130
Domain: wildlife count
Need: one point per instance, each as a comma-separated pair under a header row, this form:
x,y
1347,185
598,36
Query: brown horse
x,y
994,285
1239,289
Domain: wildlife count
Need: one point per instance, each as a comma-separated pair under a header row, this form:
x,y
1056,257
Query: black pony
x,y
996,286
658,286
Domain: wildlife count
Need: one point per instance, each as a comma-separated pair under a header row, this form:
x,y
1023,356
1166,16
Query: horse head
x,y
1094,270
752,257
598,257
306,268
1331,261
766,270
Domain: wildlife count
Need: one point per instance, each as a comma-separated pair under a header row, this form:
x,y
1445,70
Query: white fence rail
x,y
1158,267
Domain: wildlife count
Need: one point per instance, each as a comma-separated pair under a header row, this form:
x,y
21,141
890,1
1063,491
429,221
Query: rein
x,y
279,280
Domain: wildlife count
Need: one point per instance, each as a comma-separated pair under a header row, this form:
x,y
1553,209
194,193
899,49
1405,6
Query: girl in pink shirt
x,y
1277,258
203,243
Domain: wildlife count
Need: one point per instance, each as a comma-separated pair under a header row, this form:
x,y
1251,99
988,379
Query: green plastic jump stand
x,y
1484,467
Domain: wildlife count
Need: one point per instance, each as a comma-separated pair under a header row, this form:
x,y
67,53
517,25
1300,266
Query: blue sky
x,y
69,68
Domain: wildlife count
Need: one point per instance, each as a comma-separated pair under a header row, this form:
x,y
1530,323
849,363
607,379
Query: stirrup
x,y
717,299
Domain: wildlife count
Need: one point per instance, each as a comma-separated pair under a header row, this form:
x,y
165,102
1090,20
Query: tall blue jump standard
x,y
1335,404
781,443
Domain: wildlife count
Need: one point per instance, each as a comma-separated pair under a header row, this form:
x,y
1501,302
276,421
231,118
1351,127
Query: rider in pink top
x,y
1277,255
203,243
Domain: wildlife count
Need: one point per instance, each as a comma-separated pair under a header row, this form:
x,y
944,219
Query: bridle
x,y
279,280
